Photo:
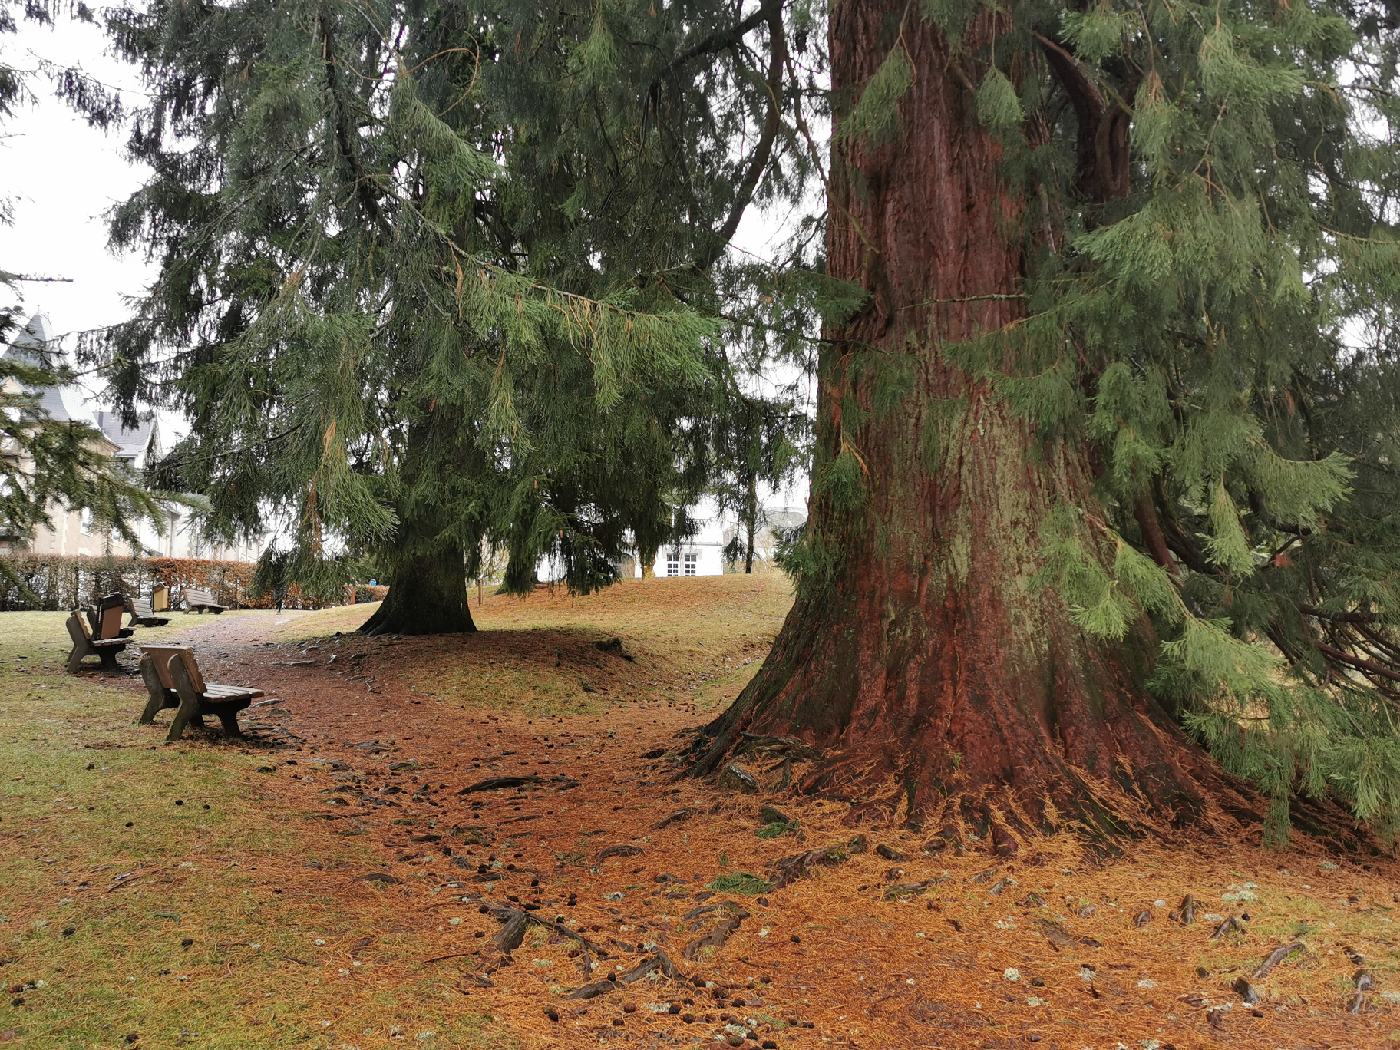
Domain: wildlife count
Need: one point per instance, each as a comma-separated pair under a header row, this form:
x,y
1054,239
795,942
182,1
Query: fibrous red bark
x,y
938,679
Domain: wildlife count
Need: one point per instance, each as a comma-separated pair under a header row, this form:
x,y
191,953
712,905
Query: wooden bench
x,y
198,601
173,679
84,644
143,615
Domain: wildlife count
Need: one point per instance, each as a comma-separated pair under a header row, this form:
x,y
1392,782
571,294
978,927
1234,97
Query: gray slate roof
x,y
31,348
133,442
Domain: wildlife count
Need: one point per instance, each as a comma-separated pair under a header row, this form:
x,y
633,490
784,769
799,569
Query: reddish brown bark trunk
x,y
939,681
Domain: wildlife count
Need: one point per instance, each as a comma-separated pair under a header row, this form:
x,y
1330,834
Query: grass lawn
x,y
344,877
156,896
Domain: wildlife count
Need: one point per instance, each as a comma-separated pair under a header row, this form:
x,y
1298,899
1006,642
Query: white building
x,y
701,554
73,532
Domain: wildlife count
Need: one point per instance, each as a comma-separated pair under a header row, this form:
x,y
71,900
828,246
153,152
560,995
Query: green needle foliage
x,y
407,300
1206,195
432,273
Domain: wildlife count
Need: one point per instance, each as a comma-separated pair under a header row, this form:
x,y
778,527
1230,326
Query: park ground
x,y
332,882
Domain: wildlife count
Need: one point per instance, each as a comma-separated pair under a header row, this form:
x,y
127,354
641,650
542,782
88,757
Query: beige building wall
x,y
72,533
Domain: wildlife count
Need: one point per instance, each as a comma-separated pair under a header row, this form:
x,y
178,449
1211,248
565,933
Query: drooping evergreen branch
x,y
761,156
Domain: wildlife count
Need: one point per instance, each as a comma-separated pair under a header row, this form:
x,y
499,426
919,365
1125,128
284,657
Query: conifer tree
x,y
370,325
1102,515
756,446
1104,465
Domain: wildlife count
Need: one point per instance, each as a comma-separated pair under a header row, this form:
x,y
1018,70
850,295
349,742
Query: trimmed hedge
x,y
66,582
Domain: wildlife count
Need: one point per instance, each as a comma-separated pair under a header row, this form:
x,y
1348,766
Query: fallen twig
x,y
125,880
1275,957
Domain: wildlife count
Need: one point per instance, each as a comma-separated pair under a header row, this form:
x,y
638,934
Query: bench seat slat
x,y
216,691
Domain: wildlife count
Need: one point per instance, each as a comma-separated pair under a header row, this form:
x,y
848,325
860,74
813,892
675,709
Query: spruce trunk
x,y
427,595
750,521
938,681
428,572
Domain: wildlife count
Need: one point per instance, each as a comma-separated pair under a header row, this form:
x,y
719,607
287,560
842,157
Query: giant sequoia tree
x,y
1105,457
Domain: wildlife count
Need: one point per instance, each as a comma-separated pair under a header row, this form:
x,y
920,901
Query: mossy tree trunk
x,y
940,682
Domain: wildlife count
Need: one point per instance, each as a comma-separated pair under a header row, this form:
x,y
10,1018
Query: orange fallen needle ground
x,y
600,871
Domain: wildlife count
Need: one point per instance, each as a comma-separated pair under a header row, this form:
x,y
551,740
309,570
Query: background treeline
x,y
55,582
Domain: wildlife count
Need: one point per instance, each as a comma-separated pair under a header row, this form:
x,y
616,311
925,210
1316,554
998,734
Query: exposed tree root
x,y
658,962
732,916
515,922
620,850
788,870
1275,957
563,783
593,989
1230,925
678,817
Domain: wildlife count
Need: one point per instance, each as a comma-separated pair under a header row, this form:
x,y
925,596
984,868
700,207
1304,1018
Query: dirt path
x,y
592,898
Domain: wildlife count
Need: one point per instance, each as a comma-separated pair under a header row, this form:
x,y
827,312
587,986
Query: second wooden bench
x,y
173,679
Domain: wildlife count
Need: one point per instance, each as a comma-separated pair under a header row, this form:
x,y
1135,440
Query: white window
x,y
691,559
673,563
85,520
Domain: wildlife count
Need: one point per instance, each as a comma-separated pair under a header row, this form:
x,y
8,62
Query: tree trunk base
x,y
1002,817
957,737
427,595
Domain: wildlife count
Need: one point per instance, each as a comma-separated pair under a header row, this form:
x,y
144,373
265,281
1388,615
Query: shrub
x,y
59,582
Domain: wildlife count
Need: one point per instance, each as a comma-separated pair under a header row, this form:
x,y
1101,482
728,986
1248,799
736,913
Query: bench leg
x,y
188,711
109,659
183,715
230,722
155,690
75,660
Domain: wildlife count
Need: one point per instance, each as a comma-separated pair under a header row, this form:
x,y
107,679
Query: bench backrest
x,y
194,596
141,609
109,618
161,655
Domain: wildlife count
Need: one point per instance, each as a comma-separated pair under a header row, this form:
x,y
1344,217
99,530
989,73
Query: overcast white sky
x,y
61,177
